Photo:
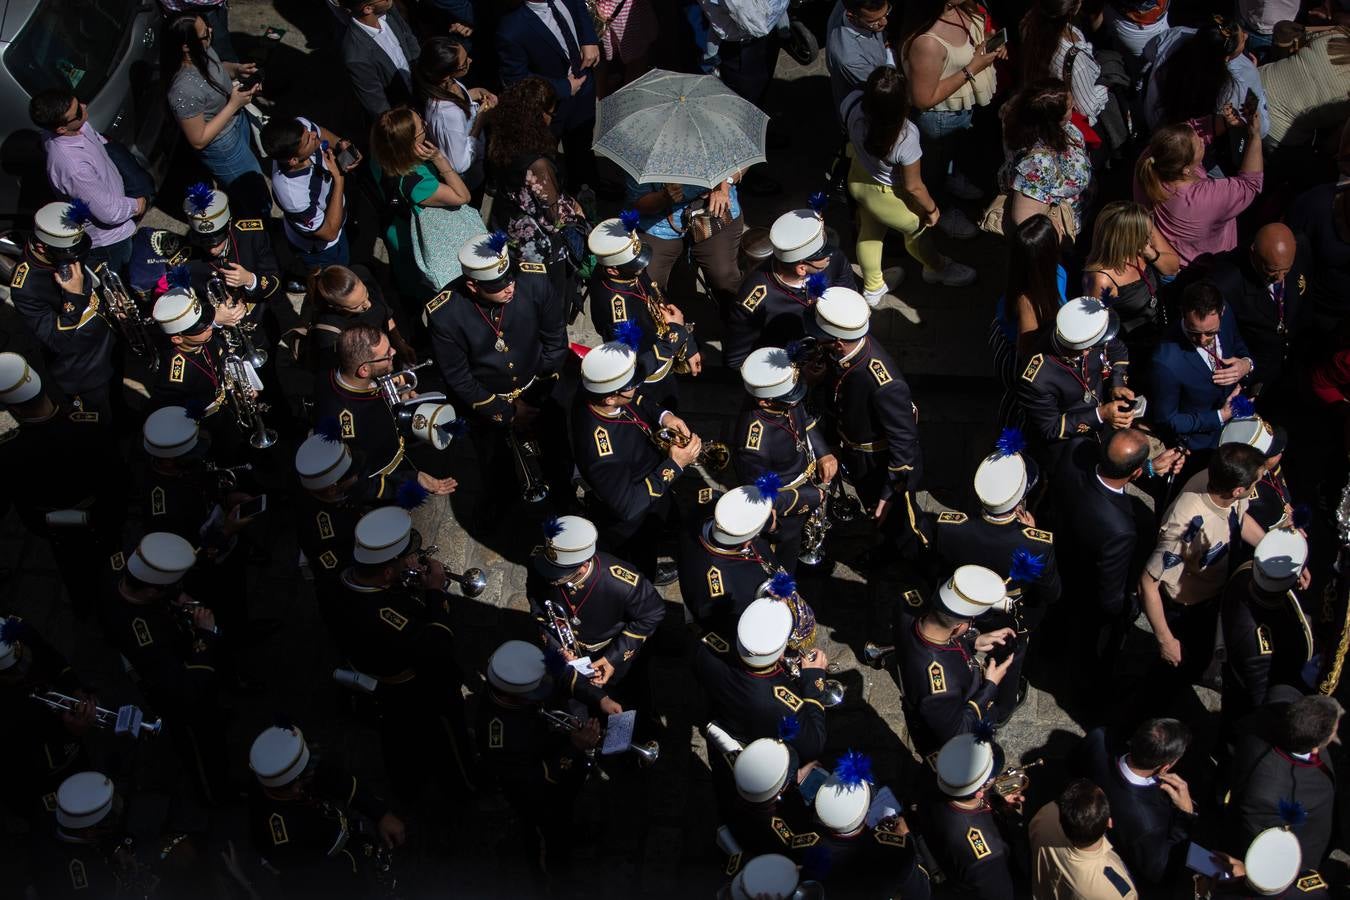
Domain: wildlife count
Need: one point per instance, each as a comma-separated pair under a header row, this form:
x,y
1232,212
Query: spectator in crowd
x,y
1195,213
1048,37
1307,92
555,41
452,111
855,45
664,211
342,297
941,51
1265,286
209,107
79,165
1034,294
1071,855
413,174
379,49
1320,218
309,183
1129,259
1258,19
1133,23
1047,170
1199,74
1152,812
745,36
533,207
626,29
886,183
1199,369
217,16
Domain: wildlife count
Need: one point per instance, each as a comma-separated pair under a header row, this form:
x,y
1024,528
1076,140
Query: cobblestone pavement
x,y
645,833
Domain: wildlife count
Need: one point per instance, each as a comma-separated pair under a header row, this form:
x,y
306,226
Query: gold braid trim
x,y
1329,684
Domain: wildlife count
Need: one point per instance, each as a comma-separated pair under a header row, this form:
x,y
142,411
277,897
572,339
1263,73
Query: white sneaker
x,y
954,224
962,188
874,298
954,274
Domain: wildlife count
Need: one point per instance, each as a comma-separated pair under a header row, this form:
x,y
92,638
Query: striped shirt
x,y
1089,97
303,197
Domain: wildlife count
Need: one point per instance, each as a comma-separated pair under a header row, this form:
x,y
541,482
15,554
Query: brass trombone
x,y
129,720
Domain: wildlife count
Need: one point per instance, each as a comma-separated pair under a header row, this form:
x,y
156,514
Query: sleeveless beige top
x,y
977,93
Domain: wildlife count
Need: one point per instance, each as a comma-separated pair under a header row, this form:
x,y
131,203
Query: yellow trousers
x,y
880,210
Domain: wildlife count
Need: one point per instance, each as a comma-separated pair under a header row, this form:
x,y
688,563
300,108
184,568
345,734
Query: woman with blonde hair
x,y
1194,213
413,175
1129,259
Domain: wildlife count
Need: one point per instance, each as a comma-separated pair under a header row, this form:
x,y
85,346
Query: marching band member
x,y
89,852
727,559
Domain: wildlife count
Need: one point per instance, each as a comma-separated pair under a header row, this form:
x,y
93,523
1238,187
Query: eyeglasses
x,y
875,24
379,359
1200,334
79,114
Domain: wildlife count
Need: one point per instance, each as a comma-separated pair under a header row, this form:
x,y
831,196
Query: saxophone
x,y
656,301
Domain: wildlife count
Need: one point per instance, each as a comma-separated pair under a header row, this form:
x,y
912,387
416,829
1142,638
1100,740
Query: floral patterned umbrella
x,y
682,129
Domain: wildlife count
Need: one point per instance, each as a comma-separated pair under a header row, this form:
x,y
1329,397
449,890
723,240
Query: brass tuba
x,y
715,455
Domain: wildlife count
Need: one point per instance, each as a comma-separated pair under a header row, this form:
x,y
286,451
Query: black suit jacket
x,y
1257,315
526,46
378,84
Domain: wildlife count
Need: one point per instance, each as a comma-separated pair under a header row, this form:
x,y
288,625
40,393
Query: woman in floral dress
x,y
1047,163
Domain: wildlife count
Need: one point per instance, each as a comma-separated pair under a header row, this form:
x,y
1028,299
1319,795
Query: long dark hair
x,y
917,17
1195,75
1035,115
1033,259
180,32
438,61
1042,27
516,125
885,109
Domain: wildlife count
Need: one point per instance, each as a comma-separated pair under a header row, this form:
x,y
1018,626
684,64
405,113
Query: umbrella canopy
x,y
683,129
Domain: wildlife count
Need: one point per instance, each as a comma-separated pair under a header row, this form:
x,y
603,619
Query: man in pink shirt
x,y
79,166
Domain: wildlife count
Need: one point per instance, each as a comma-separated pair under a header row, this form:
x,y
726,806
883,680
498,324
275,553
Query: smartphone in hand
x,y
996,40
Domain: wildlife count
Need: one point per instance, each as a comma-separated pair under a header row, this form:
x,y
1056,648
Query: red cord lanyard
x,y
498,329
575,611
205,370
1089,395
625,418
788,428
1277,484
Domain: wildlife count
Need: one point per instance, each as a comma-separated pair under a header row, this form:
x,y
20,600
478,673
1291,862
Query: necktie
x,y
1277,294
573,51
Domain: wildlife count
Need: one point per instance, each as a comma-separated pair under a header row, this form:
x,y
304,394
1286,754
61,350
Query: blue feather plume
x,y
816,285
411,494
789,728
552,527
1302,516
199,197
1010,441
1242,407
77,214
1292,813
782,584
1026,566
799,352
455,428
853,769
329,428
818,201
283,721
983,732
630,219
497,241
11,630
768,484
195,408
629,333
179,277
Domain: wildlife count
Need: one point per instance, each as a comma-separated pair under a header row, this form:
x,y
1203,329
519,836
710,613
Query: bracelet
x,y
965,70
1149,470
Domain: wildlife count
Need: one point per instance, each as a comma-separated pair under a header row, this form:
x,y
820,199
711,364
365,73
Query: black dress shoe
x,y
666,573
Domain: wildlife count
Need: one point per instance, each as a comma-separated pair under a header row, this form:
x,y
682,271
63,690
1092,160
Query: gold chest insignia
x,y
787,698
496,733
937,678
754,298
1033,366
533,268
667,475
157,501
328,559
715,643
437,302
806,839
704,496
325,526
878,370
754,435
913,598
348,423
142,631
602,445
618,310
715,586
1036,534
177,366
117,561
624,575
84,416
952,518
978,845
629,654
277,825
1302,283
393,618
1315,881
249,225
1263,640
79,879
889,838
20,275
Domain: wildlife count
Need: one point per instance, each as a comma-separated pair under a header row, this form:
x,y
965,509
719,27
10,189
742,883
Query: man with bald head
x,y
1105,534
1265,284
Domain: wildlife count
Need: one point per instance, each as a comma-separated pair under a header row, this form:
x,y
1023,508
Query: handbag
x,y
437,234
698,222
1060,213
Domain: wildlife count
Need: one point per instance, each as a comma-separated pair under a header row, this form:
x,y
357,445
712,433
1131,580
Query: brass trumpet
x,y
395,384
715,455
472,583
567,723
227,477
248,409
656,301
137,329
129,720
1014,779
801,640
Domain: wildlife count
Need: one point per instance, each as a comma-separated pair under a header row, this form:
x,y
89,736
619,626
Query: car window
x,y
70,43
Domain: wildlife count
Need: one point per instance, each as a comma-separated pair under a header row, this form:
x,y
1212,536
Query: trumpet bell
x,y
833,694
473,582
262,439
716,455
647,753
